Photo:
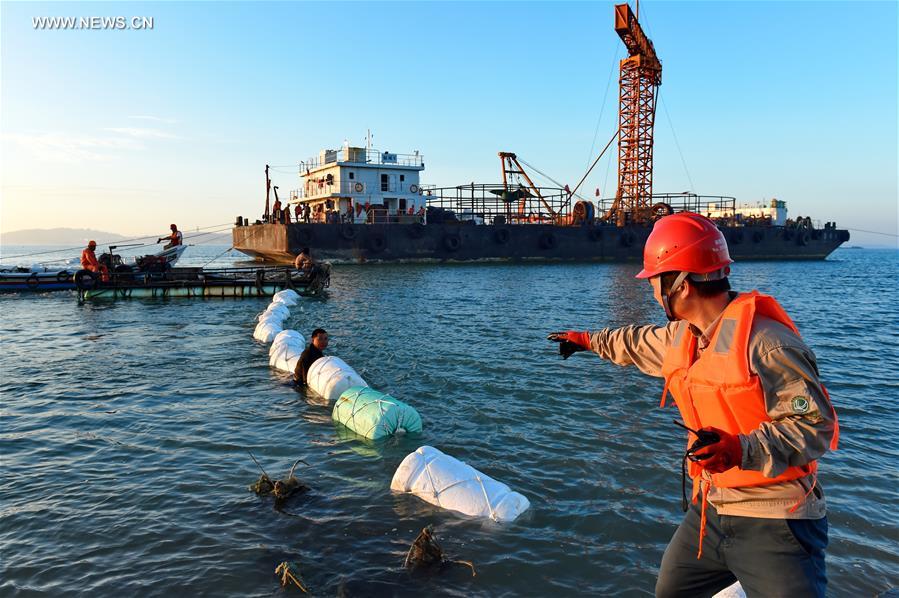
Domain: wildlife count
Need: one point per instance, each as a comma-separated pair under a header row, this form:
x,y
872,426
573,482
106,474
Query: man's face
x,y
321,341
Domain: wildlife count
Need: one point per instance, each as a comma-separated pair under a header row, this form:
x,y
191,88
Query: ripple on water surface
x,y
126,426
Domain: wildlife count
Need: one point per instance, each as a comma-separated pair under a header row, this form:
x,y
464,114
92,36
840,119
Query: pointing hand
x,y
570,342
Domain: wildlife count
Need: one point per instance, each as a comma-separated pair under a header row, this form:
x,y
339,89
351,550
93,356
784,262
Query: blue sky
x,y
127,131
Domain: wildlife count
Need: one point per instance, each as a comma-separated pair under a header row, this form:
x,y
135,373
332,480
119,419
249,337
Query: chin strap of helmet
x,y
666,297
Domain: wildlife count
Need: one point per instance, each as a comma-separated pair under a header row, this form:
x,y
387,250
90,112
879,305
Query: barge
x,y
367,210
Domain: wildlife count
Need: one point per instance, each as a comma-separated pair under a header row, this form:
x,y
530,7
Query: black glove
x,y
570,342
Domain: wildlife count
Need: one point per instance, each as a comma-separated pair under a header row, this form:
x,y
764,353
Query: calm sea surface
x,y
126,425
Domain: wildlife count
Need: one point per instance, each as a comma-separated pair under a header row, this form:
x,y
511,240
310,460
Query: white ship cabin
x,y
775,212
360,185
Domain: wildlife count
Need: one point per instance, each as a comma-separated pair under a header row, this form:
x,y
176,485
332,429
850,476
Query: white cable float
x,y
330,376
267,329
287,336
276,311
286,350
450,484
287,297
373,414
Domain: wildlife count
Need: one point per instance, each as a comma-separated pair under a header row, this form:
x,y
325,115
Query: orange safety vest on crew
x,y
719,390
89,260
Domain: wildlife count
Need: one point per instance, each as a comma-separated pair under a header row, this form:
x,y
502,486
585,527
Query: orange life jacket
x,y
89,260
719,390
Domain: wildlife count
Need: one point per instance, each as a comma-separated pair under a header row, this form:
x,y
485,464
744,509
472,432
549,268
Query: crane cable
x,y
68,249
595,162
605,97
546,176
255,232
677,143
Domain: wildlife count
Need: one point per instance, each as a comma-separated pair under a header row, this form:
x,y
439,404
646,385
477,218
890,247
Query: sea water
x,y
126,426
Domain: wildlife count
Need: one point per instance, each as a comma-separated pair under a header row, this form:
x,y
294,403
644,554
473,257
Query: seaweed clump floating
x,y
290,573
426,555
280,490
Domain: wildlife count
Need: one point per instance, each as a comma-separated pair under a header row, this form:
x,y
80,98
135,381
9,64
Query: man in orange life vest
x,y
174,239
743,378
89,261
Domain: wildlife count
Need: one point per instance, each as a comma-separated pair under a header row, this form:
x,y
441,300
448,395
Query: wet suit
x,y
307,358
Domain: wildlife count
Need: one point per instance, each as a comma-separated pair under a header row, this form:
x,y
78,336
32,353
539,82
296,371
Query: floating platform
x,y
199,282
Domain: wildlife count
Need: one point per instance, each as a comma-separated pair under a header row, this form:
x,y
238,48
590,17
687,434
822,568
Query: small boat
x,y
36,278
40,278
202,282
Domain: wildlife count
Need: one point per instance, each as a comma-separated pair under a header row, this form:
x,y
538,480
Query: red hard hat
x,y
684,242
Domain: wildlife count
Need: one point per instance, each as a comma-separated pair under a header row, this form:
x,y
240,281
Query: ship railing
x,y
495,203
373,215
353,188
720,208
359,155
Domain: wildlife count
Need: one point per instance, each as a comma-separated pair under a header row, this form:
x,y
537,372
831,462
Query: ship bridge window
x,y
352,175
385,182
402,178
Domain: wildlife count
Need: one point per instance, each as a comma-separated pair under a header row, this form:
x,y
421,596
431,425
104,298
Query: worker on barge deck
x,y
175,238
313,353
742,376
90,262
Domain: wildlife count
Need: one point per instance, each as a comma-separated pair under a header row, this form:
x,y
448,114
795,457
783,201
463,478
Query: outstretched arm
x,y
640,346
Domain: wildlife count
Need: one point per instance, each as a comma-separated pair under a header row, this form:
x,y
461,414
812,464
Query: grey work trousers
x,y
770,557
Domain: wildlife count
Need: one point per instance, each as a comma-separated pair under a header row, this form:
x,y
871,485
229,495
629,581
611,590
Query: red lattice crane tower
x,y
639,80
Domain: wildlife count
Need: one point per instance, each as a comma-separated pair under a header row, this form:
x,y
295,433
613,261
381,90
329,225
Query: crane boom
x,y
636,42
639,80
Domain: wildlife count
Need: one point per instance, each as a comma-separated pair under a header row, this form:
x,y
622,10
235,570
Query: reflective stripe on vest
x,y
719,390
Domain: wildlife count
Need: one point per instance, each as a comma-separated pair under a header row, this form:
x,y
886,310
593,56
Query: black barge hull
x,y
360,243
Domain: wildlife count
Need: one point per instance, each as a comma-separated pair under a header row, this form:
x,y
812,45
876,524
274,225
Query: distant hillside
x,y
57,236
80,236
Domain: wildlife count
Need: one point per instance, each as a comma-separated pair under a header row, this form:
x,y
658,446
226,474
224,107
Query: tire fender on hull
x,y
377,243
548,241
86,280
452,242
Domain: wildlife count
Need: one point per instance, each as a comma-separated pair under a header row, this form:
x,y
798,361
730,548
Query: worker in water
x,y
312,353
174,239
90,262
742,377
304,260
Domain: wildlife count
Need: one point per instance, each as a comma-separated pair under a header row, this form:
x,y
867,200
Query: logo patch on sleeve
x,y
799,404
